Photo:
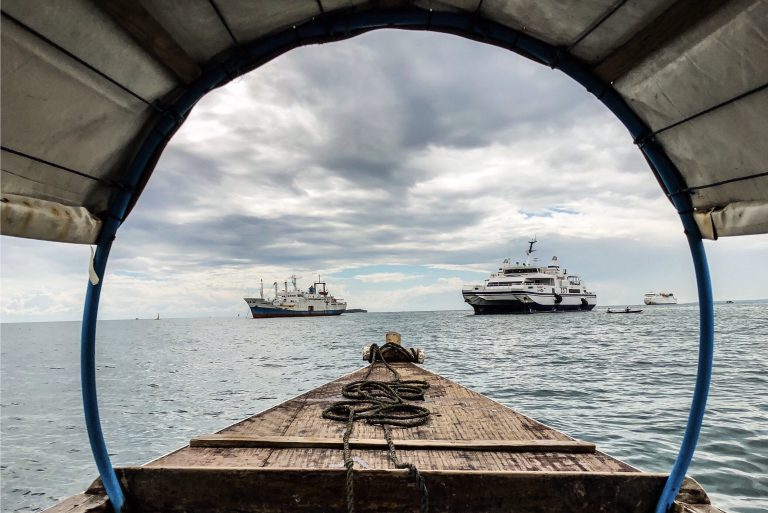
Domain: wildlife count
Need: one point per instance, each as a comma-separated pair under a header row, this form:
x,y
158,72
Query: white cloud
x,y
474,268
386,277
405,298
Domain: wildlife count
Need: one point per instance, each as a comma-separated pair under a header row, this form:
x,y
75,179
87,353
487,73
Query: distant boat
x,y
296,303
158,317
659,298
625,311
729,301
362,310
529,287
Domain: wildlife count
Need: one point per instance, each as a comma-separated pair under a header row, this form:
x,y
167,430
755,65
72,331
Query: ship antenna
x,y
530,250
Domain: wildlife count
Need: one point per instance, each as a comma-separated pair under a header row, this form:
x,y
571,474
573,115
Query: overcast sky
x,y
397,165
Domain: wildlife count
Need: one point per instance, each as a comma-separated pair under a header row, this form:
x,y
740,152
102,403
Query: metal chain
x,y
381,403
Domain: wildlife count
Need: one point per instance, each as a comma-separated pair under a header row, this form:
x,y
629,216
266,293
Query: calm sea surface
x,y
622,381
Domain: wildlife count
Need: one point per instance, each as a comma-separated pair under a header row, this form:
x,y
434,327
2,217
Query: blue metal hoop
x,y
332,27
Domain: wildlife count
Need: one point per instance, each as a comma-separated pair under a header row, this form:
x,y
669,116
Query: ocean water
x,y
622,381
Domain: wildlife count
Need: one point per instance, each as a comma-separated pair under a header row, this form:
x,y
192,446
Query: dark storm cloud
x,y
380,97
316,157
236,240
180,180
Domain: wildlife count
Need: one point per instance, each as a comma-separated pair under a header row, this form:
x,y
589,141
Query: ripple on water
x,y
624,384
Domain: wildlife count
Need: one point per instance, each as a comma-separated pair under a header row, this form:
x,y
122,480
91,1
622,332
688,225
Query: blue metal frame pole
x,y
703,377
88,377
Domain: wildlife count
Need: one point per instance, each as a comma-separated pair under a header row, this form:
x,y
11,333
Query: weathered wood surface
x,y
220,490
458,415
227,440
696,508
92,501
475,454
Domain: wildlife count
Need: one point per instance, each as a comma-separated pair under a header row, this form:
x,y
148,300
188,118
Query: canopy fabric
x,y
84,83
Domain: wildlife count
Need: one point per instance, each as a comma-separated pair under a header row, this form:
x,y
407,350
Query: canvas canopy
x,y
85,84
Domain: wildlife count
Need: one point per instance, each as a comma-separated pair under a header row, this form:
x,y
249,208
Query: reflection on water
x,y
623,382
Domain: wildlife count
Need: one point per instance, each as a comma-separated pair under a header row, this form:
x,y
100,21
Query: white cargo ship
x,y
659,298
529,288
296,303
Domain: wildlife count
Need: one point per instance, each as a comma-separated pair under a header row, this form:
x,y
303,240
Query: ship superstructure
x,y
659,298
295,302
528,288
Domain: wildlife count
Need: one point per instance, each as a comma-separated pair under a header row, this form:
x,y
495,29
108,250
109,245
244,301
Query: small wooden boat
x,y
474,455
625,311
126,87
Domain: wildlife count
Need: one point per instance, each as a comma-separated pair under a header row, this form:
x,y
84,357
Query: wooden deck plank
x,y
250,441
377,459
457,414
476,455
460,418
88,502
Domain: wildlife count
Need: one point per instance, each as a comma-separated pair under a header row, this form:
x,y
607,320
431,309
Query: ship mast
x,y
262,289
530,251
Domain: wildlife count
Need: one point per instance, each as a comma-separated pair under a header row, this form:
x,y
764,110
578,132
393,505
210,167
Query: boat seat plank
x,y
377,459
153,489
235,440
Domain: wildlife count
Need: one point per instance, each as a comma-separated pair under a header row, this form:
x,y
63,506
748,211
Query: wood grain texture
x,y
296,442
298,491
476,455
461,433
88,502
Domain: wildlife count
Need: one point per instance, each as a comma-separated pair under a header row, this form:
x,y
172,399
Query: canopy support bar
x,y
76,58
108,183
712,108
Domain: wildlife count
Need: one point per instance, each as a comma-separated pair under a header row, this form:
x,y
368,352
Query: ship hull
x,y
487,304
264,313
660,301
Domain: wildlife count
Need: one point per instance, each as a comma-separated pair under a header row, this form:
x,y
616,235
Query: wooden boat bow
x,y
475,454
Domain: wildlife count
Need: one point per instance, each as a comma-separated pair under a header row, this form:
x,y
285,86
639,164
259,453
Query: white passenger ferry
x,y
296,303
526,288
660,298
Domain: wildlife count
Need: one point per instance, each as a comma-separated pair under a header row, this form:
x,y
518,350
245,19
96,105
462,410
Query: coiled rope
x,y
382,403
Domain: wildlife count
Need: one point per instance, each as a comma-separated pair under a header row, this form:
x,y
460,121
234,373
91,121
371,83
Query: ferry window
x,y
574,291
